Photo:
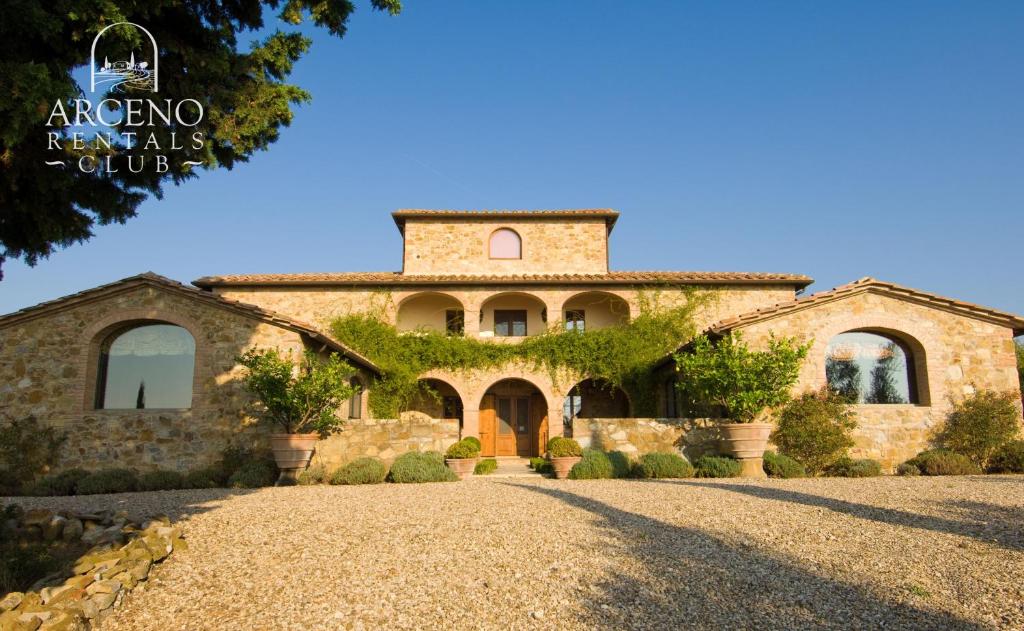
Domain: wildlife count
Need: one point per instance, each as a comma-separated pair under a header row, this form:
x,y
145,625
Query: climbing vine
x,y
622,355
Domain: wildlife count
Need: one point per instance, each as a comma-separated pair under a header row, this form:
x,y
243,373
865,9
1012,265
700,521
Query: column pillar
x,y
470,421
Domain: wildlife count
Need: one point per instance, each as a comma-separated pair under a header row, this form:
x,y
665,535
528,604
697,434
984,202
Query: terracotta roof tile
x,y
611,278
868,284
401,215
149,278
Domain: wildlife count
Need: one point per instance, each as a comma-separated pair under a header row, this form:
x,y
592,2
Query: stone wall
x,y
48,366
460,246
637,436
953,355
386,439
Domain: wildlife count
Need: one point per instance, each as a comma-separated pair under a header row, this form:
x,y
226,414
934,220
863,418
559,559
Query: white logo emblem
x,y
136,73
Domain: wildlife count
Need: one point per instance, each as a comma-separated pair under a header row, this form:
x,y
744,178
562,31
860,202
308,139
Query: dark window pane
x,y
510,323
575,320
355,404
522,416
147,367
455,321
870,368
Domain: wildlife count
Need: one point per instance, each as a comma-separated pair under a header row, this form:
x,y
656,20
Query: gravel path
x,y
922,553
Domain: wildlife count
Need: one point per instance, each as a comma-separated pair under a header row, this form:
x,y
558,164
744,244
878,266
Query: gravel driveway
x,y
922,553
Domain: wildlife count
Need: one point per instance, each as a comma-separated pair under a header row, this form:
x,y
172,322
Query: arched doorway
x,y
513,420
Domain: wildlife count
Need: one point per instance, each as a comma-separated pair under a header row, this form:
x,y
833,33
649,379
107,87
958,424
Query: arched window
x,y
148,366
506,244
355,404
871,368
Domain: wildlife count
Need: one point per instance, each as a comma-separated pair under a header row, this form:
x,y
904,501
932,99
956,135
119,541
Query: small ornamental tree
x,y
980,424
735,382
815,429
298,398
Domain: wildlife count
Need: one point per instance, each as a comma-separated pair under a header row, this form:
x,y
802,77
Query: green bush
x,y
302,396
717,467
662,465
161,481
850,468
314,474
10,483
108,481
1008,459
208,478
943,462
474,441
421,466
980,424
360,471
464,449
63,483
27,449
253,475
814,429
595,466
562,447
724,377
908,470
536,462
485,466
782,466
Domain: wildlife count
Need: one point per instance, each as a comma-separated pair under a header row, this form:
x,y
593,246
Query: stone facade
x,y
460,246
49,354
953,354
48,364
386,439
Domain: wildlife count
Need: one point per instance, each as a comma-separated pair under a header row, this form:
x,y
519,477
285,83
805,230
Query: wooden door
x,y
488,424
539,424
505,435
523,427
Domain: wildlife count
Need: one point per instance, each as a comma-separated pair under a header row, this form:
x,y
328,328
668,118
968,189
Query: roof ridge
x,y
865,284
153,278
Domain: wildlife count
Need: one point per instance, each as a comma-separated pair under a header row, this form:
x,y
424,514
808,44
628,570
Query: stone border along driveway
x,y
919,553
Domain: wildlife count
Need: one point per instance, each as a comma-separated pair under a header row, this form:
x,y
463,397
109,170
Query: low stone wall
x,y
386,439
122,555
890,434
635,436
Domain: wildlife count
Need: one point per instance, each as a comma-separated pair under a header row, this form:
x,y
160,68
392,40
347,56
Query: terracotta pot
x,y
292,453
747,442
562,465
463,467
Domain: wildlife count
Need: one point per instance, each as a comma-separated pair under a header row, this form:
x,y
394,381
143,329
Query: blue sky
x,y
839,140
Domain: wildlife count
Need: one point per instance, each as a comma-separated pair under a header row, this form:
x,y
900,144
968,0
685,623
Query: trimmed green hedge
x,y
562,447
662,465
782,466
943,462
850,468
360,471
161,481
717,467
314,474
485,466
108,481
465,448
253,475
421,466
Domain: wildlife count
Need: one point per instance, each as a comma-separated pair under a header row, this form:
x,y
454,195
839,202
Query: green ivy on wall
x,y
621,356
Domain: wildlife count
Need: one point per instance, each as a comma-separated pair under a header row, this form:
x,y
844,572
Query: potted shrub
x,y
564,453
740,387
301,400
462,457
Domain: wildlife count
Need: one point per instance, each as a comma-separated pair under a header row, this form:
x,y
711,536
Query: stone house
x,y
82,362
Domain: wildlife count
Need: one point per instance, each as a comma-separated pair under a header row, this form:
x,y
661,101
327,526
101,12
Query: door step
x,y
514,467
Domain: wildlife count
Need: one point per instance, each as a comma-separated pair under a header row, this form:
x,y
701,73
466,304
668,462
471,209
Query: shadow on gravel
x,y
177,505
689,579
1000,525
